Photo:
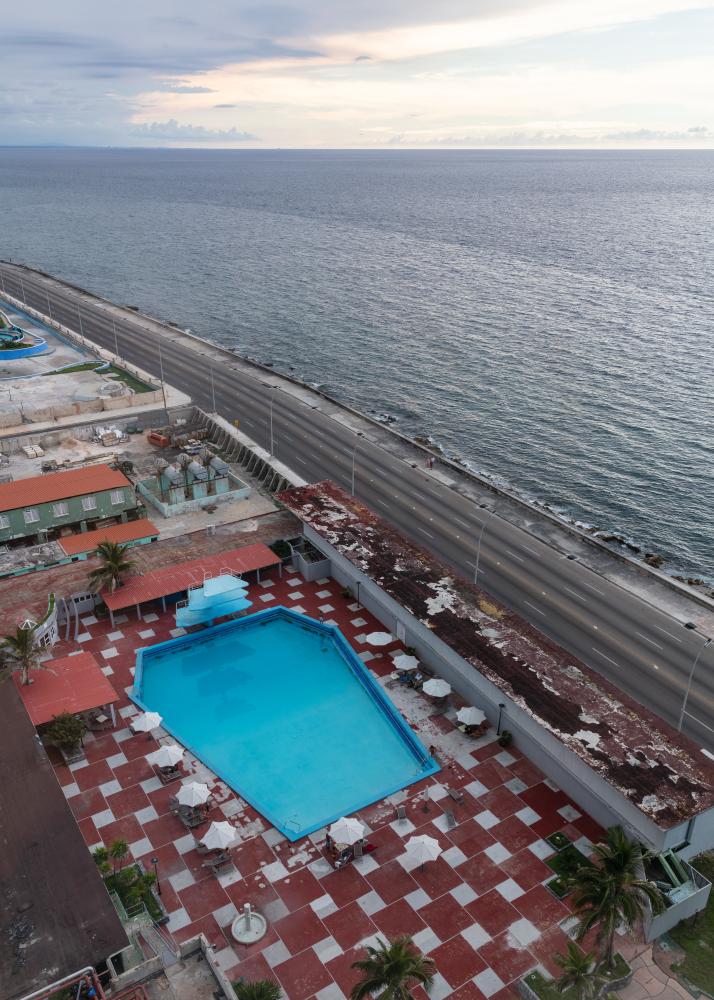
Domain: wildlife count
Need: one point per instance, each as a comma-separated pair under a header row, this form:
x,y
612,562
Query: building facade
x,y
46,507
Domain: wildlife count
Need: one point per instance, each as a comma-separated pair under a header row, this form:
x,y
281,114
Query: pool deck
x,y
481,910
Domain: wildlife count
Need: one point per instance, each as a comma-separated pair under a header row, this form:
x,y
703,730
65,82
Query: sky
x,y
364,74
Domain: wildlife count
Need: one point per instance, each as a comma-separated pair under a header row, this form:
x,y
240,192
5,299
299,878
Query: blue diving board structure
x,y
216,597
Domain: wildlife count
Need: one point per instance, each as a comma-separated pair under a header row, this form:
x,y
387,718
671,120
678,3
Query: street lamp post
x,y
155,863
490,514
501,706
689,684
81,330
116,340
161,373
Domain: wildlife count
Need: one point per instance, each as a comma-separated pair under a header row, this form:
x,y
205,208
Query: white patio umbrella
x,y
167,755
423,848
193,793
404,662
471,716
346,830
379,638
144,722
436,687
219,836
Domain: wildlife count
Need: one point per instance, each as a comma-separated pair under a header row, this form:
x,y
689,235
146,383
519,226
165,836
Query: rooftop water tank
x,y
173,475
219,466
197,471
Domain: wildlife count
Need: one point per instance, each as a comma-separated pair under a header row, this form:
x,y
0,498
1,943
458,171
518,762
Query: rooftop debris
x,y
657,769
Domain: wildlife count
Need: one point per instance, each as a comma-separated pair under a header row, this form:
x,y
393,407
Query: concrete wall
x,y
149,488
682,910
586,787
48,520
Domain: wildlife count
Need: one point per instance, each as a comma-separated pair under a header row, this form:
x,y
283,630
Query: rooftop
x,y
173,579
87,541
55,918
59,486
659,771
68,684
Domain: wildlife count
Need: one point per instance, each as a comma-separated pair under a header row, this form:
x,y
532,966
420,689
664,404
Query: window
x,y
31,515
4,521
89,503
60,509
117,496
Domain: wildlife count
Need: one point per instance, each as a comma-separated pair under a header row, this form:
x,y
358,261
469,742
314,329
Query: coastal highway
x,y
640,649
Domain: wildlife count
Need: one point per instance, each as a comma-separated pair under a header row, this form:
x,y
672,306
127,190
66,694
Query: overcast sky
x,y
369,73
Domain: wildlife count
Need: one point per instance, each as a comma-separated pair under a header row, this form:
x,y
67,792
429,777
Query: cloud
x,y
661,135
224,106
171,131
191,90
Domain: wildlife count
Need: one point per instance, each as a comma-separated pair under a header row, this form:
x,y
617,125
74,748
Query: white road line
x,y
699,721
647,639
529,549
519,558
590,587
462,523
535,608
423,531
675,637
300,460
605,657
576,594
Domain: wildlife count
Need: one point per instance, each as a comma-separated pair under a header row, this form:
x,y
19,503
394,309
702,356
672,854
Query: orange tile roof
x,y
87,541
60,486
174,579
69,684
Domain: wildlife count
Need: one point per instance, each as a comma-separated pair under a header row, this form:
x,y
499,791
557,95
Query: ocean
x,y
546,316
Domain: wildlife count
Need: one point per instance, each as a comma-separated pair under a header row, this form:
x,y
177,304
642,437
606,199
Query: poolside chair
x,y
457,795
450,819
358,850
401,815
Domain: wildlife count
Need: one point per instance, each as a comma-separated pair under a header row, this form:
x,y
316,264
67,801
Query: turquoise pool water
x,y
281,708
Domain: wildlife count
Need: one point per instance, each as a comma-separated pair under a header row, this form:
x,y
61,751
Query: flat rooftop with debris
x,y
657,769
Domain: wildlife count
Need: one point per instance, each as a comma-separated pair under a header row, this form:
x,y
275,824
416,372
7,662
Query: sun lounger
x,y
167,774
457,795
450,819
401,815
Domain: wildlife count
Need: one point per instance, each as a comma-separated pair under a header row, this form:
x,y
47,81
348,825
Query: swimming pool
x,y
281,708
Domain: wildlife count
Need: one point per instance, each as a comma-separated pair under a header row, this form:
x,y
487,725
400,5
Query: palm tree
x,y
113,565
20,652
118,851
610,891
261,989
579,973
390,969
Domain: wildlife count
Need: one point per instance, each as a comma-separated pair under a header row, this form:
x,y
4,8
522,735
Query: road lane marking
x,y
590,587
576,594
535,608
647,639
605,657
519,558
529,549
382,504
423,531
462,523
699,722
300,460
675,637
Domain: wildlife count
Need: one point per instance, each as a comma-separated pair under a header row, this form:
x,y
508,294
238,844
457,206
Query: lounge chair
x,y
167,774
401,815
450,819
457,795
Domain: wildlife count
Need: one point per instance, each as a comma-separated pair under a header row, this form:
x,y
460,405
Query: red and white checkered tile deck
x,y
481,910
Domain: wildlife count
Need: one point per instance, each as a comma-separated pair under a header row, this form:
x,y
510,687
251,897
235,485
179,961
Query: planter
x,y
72,756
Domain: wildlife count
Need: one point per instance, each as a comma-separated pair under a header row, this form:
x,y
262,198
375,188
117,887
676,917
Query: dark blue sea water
x,y
548,316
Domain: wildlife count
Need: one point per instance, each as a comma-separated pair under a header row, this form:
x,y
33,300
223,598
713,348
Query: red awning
x,y
175,579
87,541
69,684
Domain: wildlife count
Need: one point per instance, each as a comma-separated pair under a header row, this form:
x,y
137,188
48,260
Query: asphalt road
x,y
640,649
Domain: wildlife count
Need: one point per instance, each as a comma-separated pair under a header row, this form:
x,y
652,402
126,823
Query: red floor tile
x,y
349,925
253,969
436,877
93,775
526,869
128,828
129,800
491,774
303,976
471,838
480,873
398,918
493,912
513,834
551,943
101,747
391,882
298,889
301,929
469,991
445,916
345,885
251,855
527,772
341,970
170,862
87,804
203,897
165,830
541,907
208,927
457,961
133,772
507,962
502,802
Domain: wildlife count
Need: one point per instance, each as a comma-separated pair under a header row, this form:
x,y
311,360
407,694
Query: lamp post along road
x,y
116,339
689,685
478,548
